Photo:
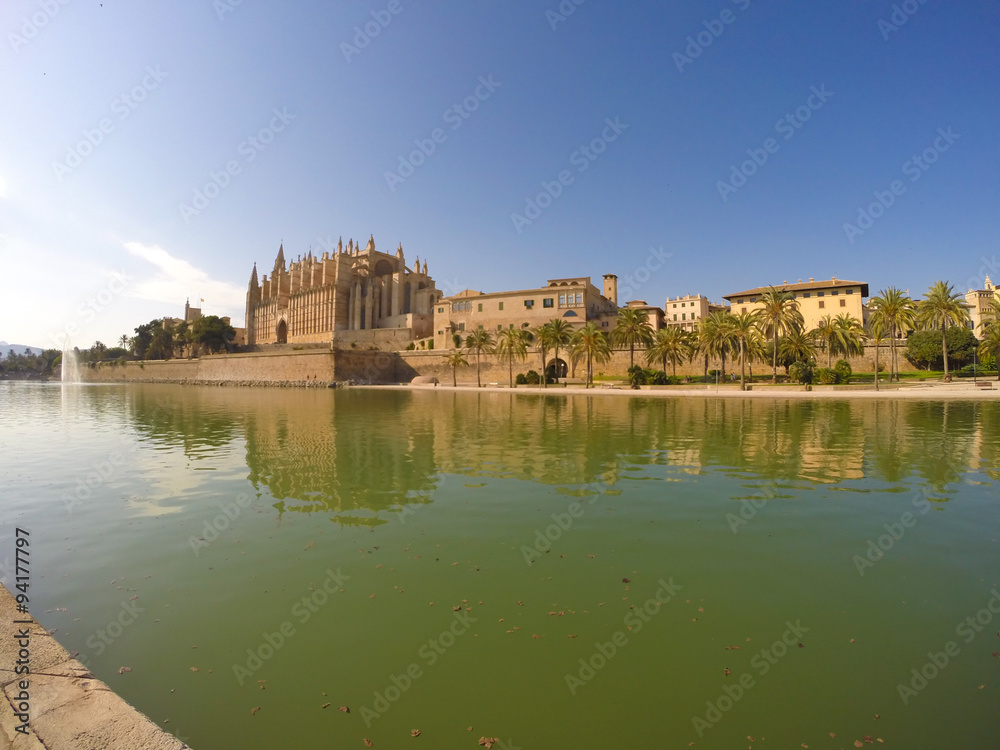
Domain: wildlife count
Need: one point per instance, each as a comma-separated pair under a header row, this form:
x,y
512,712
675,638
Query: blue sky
x,y
312,120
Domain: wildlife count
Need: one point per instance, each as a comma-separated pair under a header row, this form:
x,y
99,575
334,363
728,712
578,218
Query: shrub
x,y
843,370
532,378
801,372
637,376
659,378
826,376
520,379
430,344
410,347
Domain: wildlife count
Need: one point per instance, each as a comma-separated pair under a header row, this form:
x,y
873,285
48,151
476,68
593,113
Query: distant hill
x,y
18,348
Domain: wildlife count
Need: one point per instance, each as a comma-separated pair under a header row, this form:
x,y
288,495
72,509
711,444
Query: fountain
x,y
70,366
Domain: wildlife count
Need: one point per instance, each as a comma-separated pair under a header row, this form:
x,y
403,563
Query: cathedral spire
x,y
279,262
253,278
340,246
399,252
371,244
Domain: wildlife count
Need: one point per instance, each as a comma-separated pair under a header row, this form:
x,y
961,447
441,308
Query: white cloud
x,y
176,279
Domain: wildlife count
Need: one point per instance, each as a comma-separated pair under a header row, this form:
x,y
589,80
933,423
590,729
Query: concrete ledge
x,y
69,708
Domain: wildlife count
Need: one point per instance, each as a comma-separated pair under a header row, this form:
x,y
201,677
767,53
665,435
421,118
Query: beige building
x,y
362,296
575,300
685,312
815,299
978,303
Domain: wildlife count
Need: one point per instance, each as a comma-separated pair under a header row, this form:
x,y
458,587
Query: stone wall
x,y
316,367
321,366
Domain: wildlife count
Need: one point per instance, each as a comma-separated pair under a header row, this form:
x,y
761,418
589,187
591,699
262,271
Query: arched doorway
x,y
281,333
556,369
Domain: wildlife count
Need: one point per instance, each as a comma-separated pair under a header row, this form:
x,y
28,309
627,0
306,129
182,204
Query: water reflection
x,y
359,454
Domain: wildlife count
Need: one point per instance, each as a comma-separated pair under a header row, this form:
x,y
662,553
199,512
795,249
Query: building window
x,y
675,305
675,314
743,310
806,295
529,303
461,326
684,316
849,291
480,328
440,309
480,308
843,303
499,326
821,304
547,301
579,299
834,292
501,307
820,294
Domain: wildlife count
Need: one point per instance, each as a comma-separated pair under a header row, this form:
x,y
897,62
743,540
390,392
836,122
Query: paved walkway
x,y
68,708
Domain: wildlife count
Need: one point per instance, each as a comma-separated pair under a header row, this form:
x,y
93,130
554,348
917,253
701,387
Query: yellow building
x,y
814,299
978,303
575,300
685,312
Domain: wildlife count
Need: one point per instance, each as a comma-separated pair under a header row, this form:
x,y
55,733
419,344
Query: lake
x,y
551,571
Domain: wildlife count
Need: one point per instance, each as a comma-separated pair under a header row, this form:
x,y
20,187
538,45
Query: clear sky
x,y
739,137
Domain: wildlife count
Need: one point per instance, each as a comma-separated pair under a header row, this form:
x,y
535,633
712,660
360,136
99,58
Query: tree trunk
x,y
944,350
544,384
774,360
454,376
510,370
876,366
743,363
479,383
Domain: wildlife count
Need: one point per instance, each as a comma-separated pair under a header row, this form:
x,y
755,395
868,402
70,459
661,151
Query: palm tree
x,y
559,332
455,359
797,345
512,343
850,335
543,338
747,335
990,343
876,334
123,340
991,314
778,314
826,334
590,342
897,312
941,308
672,343
716,332
480,342
631,328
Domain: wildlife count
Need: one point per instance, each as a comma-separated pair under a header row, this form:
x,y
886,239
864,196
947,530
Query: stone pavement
x,y
69,709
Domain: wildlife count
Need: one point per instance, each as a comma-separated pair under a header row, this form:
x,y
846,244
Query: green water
x,y
408,505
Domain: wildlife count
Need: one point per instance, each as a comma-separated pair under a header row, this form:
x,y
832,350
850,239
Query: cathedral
x,y
362,297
